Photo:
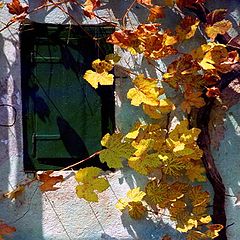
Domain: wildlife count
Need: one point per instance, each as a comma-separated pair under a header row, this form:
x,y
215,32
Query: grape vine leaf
x,y
89,7
116,150
89,183
133,202
145,91
220,27
164,107
187,28
15,7
18,9
95,78
48,181
157,193
146,2
15,193
100,75
213,230
155,13
196,172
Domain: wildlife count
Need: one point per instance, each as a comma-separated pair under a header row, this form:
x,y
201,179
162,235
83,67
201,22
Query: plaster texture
x,y
61,215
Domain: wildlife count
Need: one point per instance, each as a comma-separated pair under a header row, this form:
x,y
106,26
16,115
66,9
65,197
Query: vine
x,y
176,156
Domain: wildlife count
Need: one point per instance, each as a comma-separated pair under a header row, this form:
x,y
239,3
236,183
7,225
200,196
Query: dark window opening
x,y
64,118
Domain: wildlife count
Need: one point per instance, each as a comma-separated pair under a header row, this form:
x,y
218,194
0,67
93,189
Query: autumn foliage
x,y
167,154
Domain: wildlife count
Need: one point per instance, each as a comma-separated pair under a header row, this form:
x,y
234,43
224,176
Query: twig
x,y
84,160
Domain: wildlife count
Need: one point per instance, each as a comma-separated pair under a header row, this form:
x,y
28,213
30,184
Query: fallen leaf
x,y
48,181
15,193
6,229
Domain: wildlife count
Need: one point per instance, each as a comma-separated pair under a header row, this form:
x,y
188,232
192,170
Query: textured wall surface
x,y
61,215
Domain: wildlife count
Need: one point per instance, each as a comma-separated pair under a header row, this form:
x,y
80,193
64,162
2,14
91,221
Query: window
x,y
64,118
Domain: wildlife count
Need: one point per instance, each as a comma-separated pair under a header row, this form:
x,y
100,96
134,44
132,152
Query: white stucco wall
x,y
61,215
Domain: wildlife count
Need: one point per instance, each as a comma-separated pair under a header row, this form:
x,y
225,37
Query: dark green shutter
x,y
64,118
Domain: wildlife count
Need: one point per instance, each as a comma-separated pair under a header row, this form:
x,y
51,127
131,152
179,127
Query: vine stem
x,y
126,13
84,160
204,142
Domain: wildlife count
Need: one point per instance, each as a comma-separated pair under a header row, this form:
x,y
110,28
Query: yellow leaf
x,y
157,192
198,197
220,27
145,91
133,202
191,223
116,150
206,219
95,78
214,230
143,146
144,164
192,99
87,174
122,204
210,56
15,193
180,149
102,66
89,183
196,173
171,165
164,106
135,195
134,133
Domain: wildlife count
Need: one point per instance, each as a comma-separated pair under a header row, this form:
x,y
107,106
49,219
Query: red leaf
x,y
213,92
90,6
15,7
216,16
49,181
145,2
5,229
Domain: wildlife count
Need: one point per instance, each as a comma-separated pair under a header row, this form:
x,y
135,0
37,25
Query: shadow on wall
x,y
228,161
54,14
149,229
24,213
